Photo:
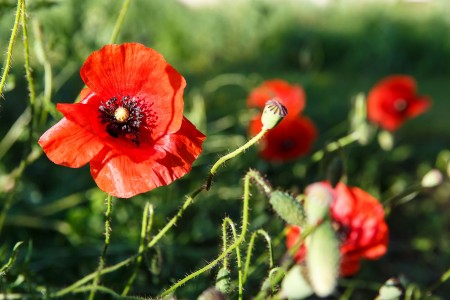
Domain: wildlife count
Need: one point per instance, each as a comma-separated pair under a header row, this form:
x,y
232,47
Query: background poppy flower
x,y
292,138
360,223
129,124
394,100
291,96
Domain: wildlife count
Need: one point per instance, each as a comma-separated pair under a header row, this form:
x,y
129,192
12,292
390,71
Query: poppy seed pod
x,y
273,113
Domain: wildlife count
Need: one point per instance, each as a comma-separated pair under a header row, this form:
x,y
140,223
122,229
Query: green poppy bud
x,y
322,259
223,280
294,285
391,290
273,113
432,178
287,208
318,200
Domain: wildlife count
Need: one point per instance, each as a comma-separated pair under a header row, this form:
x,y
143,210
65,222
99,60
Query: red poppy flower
x,y
394,100
129,125
290,139
291,96
360,221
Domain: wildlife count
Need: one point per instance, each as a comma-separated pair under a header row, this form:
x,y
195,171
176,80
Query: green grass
x,y
334,53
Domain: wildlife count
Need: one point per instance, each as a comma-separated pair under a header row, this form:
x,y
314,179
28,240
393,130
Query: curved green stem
x,y
444,277
12,39
288,262
266,236
119,21
189,200
30,80
228,250
228,221
11,260
233,154
105,247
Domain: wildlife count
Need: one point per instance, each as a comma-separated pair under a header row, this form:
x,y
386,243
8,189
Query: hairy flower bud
x,y
273,113
223,280
432,178
318,200
288,208
294,285
322,259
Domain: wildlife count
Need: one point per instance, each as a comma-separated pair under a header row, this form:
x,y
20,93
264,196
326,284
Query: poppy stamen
x,y
400,105
122,118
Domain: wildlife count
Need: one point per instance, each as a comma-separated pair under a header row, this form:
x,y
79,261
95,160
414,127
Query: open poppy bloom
x,y
291,96
129,125
394,100
290,139
360,223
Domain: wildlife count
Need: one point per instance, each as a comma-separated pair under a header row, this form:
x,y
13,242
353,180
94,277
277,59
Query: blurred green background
x,y
334,49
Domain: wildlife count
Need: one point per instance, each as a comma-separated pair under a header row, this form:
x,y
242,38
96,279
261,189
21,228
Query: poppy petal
x,y
290,139
120,176
68,144
418,106
134,70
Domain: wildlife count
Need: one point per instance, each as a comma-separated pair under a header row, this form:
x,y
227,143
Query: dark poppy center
x,y
288,145
122,117
400,105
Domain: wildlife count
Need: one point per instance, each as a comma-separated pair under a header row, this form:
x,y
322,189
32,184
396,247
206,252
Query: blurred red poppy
x,y
291,96
290,139
393,100
360,223
129,124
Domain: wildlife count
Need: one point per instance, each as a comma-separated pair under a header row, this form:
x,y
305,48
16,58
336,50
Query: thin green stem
x,y
105,247
9,52
333,146
444,277
46,104
224,242
266,236
233,154
11,260
189,200
105,290
147,221
29,76
288,262
119,21
236,244
229,222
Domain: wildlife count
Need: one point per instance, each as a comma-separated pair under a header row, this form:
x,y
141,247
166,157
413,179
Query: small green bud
x,y
386,140
287,208
273,113
318,201
223,280
432,178
294,285
322,259
392,289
